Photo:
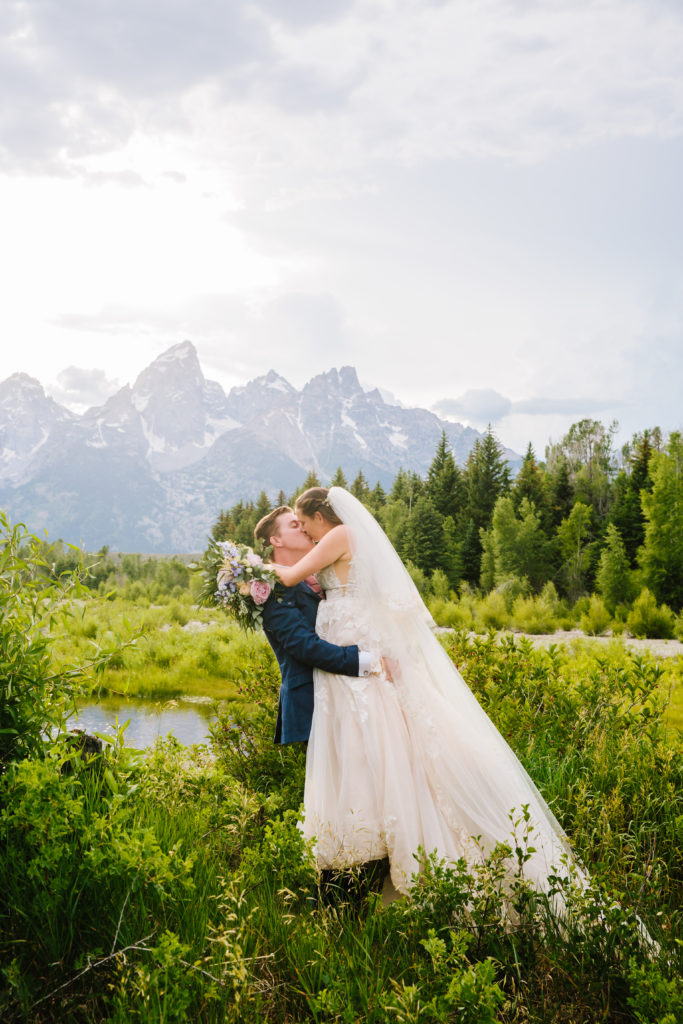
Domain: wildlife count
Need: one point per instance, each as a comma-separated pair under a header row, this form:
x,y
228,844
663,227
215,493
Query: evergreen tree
x,y
310,481
424,535
360,487
451,554
263,506
560,492
281,498
627,510
487,571
470,550
661,556
487,477
376,499
407,487
339,480
614,572
445,485
224,527
530,483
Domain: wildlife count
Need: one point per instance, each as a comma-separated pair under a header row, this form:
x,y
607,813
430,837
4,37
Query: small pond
x,y
187,718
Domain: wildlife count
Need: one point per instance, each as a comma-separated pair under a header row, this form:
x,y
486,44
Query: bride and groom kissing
x,y
401,759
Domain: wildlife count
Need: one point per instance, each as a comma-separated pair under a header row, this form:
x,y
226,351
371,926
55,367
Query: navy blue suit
x,y
289,623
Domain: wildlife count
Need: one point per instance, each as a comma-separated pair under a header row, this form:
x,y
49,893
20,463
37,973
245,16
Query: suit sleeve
x,y
285,623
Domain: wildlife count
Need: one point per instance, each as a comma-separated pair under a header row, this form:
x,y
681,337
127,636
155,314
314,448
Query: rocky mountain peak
x,y
151,468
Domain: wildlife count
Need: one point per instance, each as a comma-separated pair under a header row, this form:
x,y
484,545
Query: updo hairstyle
x,y
315,500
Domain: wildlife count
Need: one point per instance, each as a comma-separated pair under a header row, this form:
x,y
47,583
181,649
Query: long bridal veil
x,y
477,780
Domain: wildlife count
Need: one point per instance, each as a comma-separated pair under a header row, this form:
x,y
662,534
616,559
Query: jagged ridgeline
x,y
149,469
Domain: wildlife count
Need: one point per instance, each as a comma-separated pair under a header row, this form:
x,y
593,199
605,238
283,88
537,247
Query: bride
x,y
404,759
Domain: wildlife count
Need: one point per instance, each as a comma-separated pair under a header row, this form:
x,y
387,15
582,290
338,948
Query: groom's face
x,y
290,538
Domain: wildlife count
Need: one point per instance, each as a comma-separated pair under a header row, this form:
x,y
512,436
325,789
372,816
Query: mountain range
x,y
150,469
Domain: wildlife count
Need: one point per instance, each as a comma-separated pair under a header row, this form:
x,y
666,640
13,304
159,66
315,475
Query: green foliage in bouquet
x,y
236,577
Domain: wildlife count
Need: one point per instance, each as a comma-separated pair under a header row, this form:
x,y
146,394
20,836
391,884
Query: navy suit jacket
x,y
289,623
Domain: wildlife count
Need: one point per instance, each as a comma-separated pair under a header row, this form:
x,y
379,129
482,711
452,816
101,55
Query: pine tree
x,y
339,480
444,484
263,506
661,555
561,492
360,487
224,527
377,498
487,477
627,510
310,481
530,483
407,487
424,535
614,572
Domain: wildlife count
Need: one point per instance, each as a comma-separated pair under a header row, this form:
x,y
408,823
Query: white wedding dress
x,y
414,763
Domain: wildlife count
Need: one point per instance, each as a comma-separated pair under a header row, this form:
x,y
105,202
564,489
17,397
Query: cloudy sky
x,y
477,203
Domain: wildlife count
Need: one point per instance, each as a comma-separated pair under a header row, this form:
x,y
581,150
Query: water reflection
x,y
187,720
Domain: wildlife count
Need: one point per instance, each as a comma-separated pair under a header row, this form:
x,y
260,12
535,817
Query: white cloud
x,y
80,388
455,197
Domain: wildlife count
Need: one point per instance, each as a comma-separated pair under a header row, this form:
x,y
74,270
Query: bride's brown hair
x,y
315,500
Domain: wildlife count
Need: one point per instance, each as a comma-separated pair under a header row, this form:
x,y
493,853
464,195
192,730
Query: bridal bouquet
x,y
236,578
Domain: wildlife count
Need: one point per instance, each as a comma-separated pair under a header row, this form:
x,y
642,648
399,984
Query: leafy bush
x,y
597,619
452,614
648,619
534,615
492,612
34,696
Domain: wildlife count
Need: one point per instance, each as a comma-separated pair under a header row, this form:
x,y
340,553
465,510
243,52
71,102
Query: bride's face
x,y
314,527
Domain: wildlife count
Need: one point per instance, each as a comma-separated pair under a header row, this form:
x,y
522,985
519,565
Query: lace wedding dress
x,y
413,763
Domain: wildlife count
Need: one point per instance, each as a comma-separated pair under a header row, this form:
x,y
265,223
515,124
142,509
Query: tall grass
x,y
178,887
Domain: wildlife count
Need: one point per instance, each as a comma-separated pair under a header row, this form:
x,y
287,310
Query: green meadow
x,y
173,885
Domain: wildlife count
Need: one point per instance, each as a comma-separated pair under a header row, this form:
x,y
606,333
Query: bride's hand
x,y
285,573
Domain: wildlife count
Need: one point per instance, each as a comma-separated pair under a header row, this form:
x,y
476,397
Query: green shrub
x,y
512,588
597,619
648,619
34,696
534,615
452,614
179,613
492,612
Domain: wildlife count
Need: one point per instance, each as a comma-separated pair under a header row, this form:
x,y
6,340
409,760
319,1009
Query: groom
x,y
289,623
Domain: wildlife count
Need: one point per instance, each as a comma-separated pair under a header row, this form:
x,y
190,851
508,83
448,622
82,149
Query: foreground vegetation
x,y
176,886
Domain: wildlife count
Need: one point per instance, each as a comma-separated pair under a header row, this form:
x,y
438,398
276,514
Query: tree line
x,y
587,518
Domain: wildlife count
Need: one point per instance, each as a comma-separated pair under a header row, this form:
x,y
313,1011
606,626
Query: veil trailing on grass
x,y
480,786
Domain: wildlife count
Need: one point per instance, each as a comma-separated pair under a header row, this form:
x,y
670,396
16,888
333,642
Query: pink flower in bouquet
x,y
260,591
253,559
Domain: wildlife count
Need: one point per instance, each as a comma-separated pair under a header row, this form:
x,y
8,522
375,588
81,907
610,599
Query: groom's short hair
x,y
266,527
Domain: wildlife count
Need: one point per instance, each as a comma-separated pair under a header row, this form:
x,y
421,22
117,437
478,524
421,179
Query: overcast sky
x,y
476,203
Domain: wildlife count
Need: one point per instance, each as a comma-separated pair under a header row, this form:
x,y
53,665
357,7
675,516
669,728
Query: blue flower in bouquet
x,y
237,579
